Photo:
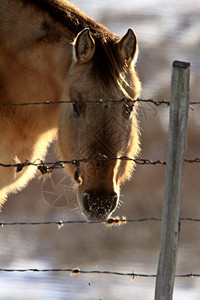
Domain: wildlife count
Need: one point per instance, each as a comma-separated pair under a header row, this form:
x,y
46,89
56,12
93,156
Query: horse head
x,y
100,124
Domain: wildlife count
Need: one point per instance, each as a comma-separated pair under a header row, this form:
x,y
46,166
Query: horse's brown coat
x,y
46,53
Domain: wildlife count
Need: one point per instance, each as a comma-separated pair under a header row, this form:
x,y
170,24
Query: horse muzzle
x,y
97,206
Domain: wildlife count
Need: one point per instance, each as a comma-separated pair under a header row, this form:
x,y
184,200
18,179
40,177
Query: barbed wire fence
x,y
49,167
110,222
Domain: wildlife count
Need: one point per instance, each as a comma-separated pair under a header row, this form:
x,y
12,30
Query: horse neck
x,y
36,78
33,66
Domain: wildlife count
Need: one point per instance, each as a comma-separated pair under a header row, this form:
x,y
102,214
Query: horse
x,y
51,51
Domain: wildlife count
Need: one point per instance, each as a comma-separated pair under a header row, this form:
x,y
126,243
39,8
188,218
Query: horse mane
x,y
69,16
108,66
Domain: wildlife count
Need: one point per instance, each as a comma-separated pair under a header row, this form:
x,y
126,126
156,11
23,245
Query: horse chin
x,y
96,218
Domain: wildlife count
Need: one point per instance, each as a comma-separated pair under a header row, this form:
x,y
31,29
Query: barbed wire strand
x,y
41,165
152,101
48,167
111,221
78,271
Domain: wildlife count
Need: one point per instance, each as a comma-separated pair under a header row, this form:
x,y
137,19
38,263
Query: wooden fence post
x,y
179,106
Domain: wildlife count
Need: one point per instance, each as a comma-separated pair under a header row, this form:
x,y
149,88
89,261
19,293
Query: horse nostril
x,y
115,199
86,201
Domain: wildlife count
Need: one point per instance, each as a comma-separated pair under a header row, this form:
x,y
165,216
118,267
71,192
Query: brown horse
x,y
51,51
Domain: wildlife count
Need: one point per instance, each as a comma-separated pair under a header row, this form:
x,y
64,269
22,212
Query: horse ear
x,y
84,47
127,46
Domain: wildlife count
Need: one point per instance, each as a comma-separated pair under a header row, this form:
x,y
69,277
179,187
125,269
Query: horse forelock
x,y
108,67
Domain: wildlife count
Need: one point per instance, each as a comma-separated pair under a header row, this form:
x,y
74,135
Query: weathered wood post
x,y
179,106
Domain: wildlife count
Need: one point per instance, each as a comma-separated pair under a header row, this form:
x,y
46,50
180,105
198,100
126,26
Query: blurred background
x,y
166,31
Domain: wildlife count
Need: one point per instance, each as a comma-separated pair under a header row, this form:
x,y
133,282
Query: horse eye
x,y
76,109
